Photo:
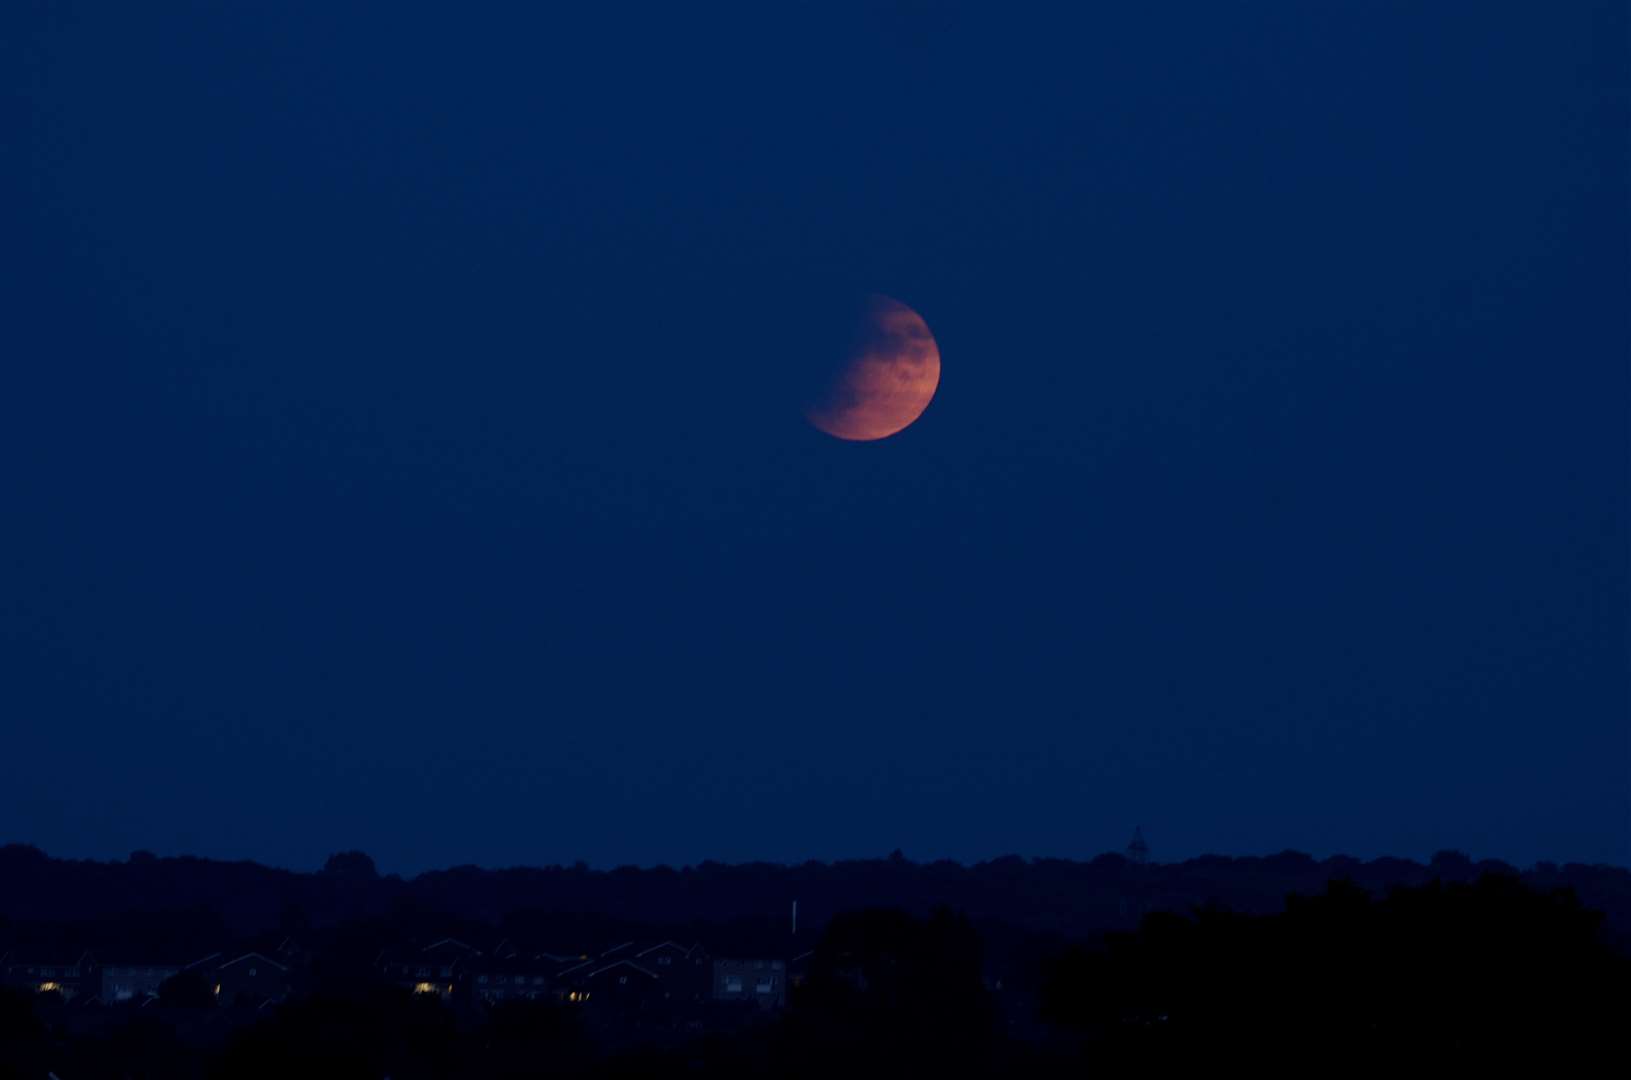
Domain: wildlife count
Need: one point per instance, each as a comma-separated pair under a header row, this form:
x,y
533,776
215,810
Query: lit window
x,y
424,988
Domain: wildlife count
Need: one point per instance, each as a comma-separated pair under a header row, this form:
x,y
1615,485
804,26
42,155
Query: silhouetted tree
x,y
186,990
351,866
519,1037
1451,866
22,1037
895,991
1445,975
380,1033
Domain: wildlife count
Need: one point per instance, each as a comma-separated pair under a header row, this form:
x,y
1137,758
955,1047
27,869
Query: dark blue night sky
x,y
400,442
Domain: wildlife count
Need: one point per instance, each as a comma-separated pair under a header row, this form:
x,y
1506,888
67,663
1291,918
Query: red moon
x,y
887,380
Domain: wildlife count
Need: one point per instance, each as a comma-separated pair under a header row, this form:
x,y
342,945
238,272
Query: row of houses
x,y
629,974
627,977
243,978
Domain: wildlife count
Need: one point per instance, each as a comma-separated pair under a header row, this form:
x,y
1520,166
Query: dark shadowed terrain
x,y
1008,967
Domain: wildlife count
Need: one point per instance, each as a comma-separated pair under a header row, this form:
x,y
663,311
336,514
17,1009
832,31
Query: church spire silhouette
x,y
1138,851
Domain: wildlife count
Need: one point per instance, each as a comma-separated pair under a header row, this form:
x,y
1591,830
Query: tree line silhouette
x,y
1062,896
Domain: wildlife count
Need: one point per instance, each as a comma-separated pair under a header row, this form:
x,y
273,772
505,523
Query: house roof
x,y
35,955
623,964
448,948
685,950
175,963
531,965
452,943
254,956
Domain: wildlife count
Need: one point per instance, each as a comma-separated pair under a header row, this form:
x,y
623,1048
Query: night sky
x,y
401,444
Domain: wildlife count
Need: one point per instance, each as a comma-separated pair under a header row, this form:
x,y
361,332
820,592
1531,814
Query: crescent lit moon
x,y
887,379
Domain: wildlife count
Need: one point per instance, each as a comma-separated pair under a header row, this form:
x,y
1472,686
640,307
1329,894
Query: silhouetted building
x,y
251,980
433,969
759,981
798,968
621,985
685,970
516,977
1138,851
139,978
71,974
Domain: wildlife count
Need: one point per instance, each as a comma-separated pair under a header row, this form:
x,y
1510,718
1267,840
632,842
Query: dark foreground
x,y
1486,974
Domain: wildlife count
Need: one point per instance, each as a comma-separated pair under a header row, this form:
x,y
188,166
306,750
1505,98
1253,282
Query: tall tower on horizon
x,y
1138,851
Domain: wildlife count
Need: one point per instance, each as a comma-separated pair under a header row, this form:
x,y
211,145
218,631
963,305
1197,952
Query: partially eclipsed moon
x,y
886,381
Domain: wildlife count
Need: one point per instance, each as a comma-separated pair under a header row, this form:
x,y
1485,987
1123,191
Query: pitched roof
x,y
36,955
515,962
147,960
255,956
623,963
452,943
